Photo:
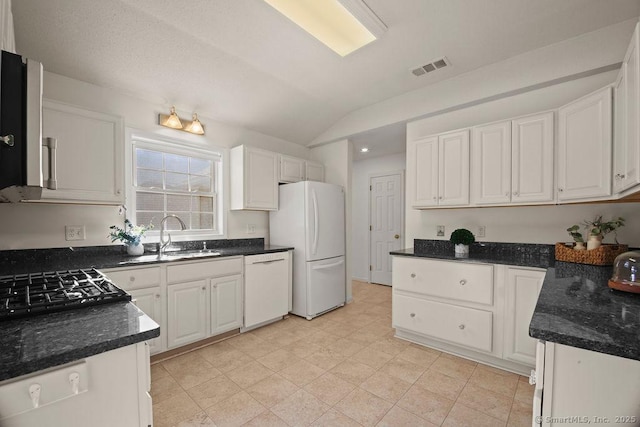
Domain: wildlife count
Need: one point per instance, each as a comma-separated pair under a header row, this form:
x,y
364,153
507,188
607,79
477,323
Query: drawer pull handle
x,y
412,315
413,275
461,326
463,282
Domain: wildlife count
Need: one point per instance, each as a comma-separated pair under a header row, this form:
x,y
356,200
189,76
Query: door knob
x,y
397,236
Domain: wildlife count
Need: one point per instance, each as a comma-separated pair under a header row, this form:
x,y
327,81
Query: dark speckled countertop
x,y
577,308
520,254
35,343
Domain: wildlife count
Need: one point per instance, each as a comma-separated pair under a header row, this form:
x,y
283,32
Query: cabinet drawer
x,y
460,325
139,278
203,269
445,279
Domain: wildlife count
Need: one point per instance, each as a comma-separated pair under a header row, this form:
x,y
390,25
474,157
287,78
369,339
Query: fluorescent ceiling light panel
x,y
334,22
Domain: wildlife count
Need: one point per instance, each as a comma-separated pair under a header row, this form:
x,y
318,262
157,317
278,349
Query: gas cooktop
x,y
31,294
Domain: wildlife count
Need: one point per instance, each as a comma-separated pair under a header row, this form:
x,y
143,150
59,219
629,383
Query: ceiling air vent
x,y
436,64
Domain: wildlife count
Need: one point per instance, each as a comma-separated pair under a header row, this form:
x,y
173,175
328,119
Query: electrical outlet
x,y
440,230
482,230
74,232
251,229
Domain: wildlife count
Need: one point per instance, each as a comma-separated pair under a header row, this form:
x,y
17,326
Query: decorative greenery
x,y
573,232
599,227
462,236
131,234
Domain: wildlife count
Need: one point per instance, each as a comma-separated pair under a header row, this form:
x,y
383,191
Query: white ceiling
x,y
241,62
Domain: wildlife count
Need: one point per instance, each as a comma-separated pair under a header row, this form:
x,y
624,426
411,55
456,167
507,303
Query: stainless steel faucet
x,y
163,244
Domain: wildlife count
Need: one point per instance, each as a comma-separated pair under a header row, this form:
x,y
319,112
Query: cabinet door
x,y
226,304
187,307
532,158
631,174
584,147
149,300
453,176
424,162
620,140
522,289
491,162
291,169
314,171
261,179
89,154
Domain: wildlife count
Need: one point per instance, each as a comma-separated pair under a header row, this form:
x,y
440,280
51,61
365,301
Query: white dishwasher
x,y
266,288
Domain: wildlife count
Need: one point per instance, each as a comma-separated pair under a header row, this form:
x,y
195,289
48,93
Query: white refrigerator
x,y
310,218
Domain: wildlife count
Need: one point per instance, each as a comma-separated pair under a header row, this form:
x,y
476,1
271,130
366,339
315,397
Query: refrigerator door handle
x,y
314,198
323,267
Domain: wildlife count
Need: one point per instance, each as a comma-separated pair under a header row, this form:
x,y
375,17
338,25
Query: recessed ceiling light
x,y
364,150
343,25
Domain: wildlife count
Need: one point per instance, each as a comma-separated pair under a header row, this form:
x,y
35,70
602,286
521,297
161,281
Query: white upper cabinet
x,y
254,179
453,174
314,171
532,153
584,148
626,173
491,164
89,156
440,165
292,169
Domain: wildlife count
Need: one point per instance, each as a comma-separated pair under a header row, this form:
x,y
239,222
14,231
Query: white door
x,y
424,155
261,175
187,319
620,140
314,171
291,169
631,175
324,220
226,304
326,285
385,204
149,301
491,162
532,153
584,147
453,169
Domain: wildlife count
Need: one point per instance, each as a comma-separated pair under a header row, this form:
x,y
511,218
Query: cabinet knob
x,y
507,194
560,190
215,286
132,278
619,176
463,282
440,197
461,326
435,198
397,236
118,192
516,194
413,275
157,295
412,315
204,288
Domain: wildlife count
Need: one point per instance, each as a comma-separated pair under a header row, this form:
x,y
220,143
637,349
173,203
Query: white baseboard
x,y
361,279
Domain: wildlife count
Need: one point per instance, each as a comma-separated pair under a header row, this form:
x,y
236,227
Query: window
x,y
175,181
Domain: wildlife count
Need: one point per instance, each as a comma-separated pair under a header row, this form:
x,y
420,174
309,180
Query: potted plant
x,y
462,238
130,235
598,229
577,237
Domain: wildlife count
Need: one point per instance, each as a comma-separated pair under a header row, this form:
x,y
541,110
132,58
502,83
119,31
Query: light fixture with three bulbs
x,y
174,122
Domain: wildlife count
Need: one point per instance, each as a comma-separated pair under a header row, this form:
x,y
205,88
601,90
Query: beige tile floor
x,y
342,369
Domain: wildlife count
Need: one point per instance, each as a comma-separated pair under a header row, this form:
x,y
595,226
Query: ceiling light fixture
x,y
364,150
174,122
343,25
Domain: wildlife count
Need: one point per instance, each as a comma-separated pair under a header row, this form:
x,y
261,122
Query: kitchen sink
x,y
173,256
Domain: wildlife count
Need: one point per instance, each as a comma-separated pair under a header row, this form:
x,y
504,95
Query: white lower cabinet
x,y
521,291
226,304
478,311
149,300
187,317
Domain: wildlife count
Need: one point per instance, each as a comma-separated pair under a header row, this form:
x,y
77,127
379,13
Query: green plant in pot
x,y
462,238
577,237
599,228
130,235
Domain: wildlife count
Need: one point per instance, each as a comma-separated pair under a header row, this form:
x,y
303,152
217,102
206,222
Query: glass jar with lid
x,y
626,272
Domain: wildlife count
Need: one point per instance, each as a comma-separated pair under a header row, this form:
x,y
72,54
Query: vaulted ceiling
x,y
241,62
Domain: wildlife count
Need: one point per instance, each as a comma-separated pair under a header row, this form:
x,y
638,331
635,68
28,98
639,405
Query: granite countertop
x,y
576,308
40,342
56,259
518,254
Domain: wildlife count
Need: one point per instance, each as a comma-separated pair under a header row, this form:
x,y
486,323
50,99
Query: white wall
x,y
586,52
41,225
337,158
544,224
362,170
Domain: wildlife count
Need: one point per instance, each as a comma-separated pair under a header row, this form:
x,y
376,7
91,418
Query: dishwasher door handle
x,y
324,267
271,261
